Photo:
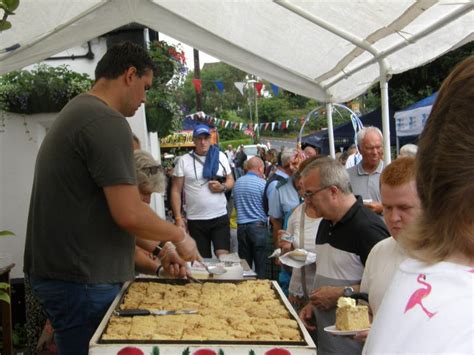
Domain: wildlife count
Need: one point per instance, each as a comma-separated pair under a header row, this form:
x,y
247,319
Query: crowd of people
x,y
376,229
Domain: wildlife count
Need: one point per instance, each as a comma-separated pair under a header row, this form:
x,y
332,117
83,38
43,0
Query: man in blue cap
x,y
205,176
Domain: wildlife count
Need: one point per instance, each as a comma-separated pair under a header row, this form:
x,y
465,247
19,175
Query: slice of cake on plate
x,y
349,316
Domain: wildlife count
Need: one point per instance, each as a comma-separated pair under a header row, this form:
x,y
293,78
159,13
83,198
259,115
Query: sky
x,y
203,57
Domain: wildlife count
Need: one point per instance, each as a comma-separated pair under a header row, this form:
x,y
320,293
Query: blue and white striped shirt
x,y
248,199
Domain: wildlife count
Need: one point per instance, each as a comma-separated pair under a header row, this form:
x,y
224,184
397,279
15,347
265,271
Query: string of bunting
x,y
241,126
239,85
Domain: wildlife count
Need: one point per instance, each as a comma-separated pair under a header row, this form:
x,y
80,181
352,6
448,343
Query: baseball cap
x,y
201,129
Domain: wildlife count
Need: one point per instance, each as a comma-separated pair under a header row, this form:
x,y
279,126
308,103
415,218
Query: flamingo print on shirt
x,y
418,295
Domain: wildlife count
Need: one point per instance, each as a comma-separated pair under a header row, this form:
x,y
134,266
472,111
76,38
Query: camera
x,y
218,178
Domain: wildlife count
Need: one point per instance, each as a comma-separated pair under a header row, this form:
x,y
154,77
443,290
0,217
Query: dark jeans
x,y
252,239
74,309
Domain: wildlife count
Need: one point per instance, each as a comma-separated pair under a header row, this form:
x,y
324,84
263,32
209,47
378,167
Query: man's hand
x,y
187,248
171,261
326,297
361,336
181,223
285,246
307,317
215,186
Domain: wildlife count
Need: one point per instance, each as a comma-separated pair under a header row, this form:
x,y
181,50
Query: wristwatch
x,y
348,292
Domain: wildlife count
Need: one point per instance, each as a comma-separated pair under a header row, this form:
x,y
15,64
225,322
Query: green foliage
x,y
19,337
4,296
235,143
8,6
43,89
272,109
213,101
162,111
6,233
411,86
155,351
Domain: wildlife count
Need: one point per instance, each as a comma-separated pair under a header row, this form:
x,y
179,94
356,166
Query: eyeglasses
x,y
152,170
309,194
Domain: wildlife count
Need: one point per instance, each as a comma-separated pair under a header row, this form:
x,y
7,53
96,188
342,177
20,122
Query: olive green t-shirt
x,y
71,234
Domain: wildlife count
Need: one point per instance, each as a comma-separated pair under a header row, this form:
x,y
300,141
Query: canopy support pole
x,y
387,153
332,149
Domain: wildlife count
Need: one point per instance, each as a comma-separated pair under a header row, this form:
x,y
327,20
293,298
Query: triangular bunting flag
x,y
287,123
240,126
197,85
275,89
219,85
273,126
259,87
226,124
240,86
267,124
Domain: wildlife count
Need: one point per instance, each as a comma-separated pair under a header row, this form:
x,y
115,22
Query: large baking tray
x,y
183,282
216,341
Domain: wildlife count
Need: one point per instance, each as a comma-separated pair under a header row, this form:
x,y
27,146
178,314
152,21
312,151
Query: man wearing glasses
x,y
345,237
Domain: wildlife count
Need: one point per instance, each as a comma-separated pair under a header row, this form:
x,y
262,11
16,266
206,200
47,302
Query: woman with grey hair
x,y
150,175
150,178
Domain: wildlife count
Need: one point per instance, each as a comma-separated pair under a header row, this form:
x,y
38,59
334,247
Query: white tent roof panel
x,y
258,36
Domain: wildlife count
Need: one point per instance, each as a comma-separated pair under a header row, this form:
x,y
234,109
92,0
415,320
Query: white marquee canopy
x,y
331,50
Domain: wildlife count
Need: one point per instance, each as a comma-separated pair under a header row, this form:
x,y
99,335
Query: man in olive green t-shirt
x,y
85,206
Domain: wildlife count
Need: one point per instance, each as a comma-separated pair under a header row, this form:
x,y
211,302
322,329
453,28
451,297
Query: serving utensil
x,y
154,312
213,269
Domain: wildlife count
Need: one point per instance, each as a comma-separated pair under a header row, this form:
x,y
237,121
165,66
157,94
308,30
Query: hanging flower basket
x,y
42,90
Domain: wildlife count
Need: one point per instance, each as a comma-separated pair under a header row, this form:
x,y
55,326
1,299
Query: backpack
x,y
281,181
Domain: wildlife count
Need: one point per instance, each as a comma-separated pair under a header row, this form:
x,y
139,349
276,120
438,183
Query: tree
x,y
213,101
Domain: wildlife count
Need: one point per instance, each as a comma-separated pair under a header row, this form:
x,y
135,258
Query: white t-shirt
x,y
200,202
428,309
310,230
381,264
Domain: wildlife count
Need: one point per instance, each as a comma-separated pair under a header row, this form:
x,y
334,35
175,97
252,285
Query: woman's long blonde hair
x,y
445,173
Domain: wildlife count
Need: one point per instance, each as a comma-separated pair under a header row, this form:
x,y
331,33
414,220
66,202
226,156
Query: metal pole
x,y
197,75
332,149
387,153
257,135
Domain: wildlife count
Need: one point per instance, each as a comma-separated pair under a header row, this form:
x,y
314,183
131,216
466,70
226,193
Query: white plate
x,y
332,330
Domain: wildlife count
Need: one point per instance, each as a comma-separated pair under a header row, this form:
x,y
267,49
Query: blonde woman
x,y
428,307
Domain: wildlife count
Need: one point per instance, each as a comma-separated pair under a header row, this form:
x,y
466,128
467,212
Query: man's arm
x,y
131,214
177,185
147,245
229,181
144,263
326,297
277,224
